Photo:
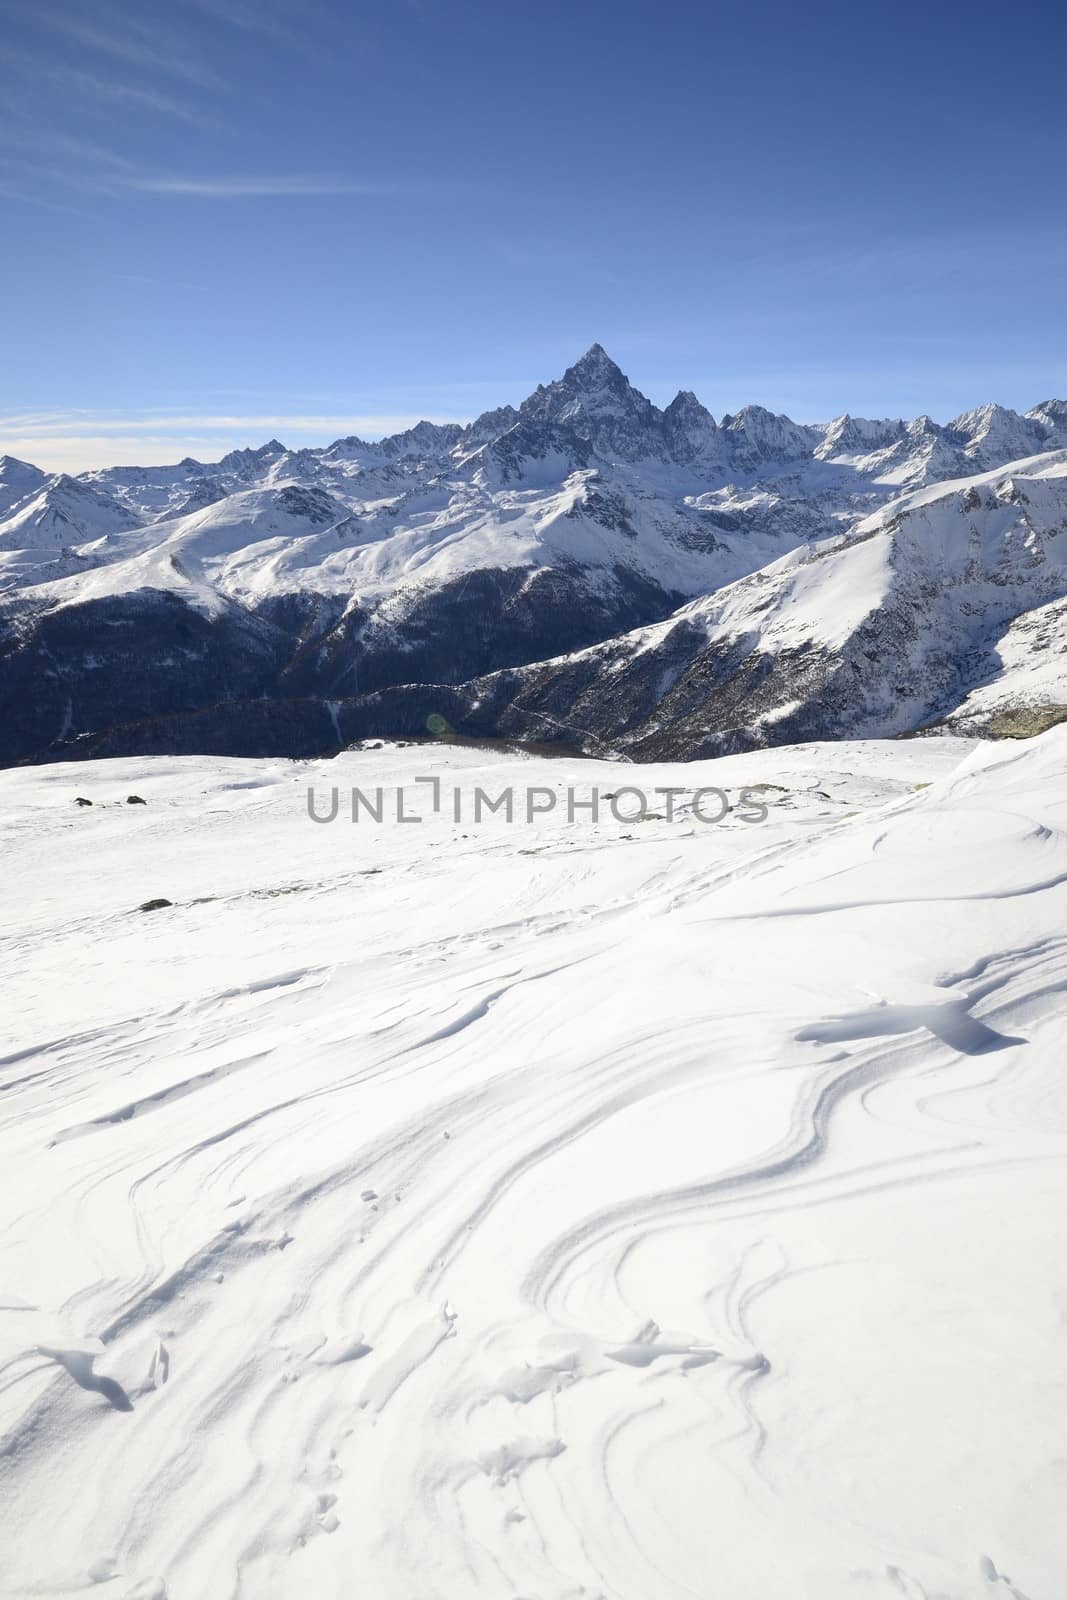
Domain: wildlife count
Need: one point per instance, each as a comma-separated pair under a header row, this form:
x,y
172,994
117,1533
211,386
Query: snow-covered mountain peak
x,y
350,448
18,479
596,403
424,439
595,369
13,470
244,462
429,442
757,437
691,431
484,430
991,433
596,400
1051,417
984,417
594,382
1050,409
277,510
65,511
77,495
685,402
850,436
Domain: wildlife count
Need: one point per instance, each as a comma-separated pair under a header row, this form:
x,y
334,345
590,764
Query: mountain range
x,y
586,570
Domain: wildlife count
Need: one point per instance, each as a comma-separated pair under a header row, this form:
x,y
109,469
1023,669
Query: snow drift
x,y
646,1210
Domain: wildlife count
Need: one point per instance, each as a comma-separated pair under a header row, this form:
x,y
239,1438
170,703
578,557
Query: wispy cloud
x,y
86,83
253,18
316,30
31,162
60,422
149,99
22,196
30,142
250,188
157,280
125,38
74,441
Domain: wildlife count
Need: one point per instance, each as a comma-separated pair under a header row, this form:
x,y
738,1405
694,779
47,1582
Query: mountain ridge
x,y
478,566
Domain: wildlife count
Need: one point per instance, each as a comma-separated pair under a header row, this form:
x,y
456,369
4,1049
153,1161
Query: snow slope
x,y
19,480
644,1210
946,602
66,511
260,543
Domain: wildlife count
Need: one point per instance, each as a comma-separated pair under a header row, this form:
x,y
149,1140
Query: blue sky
x,y
226,219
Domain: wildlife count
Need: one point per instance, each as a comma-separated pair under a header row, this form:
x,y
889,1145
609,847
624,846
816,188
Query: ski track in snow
x,y
534,1212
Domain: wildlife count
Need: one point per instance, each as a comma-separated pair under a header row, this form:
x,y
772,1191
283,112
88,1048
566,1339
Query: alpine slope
x,y
627,1206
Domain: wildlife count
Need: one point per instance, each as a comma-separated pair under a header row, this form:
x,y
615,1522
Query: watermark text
x,y
426,797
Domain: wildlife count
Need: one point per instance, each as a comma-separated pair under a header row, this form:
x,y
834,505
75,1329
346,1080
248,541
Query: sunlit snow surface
x,y
627,1211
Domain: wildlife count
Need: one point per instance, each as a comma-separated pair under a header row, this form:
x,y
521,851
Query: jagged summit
x,y
594,377
757,438
691,432
1049,411
244,461
991,432
423,437
594,407
596,401
855,437
489,426
65,483
686,400
596,367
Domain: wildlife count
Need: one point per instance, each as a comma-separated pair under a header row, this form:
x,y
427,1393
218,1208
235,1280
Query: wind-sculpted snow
x,y
642,1210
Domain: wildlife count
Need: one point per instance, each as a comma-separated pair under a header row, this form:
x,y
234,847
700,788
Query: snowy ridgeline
x,y
643,1210
586,567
